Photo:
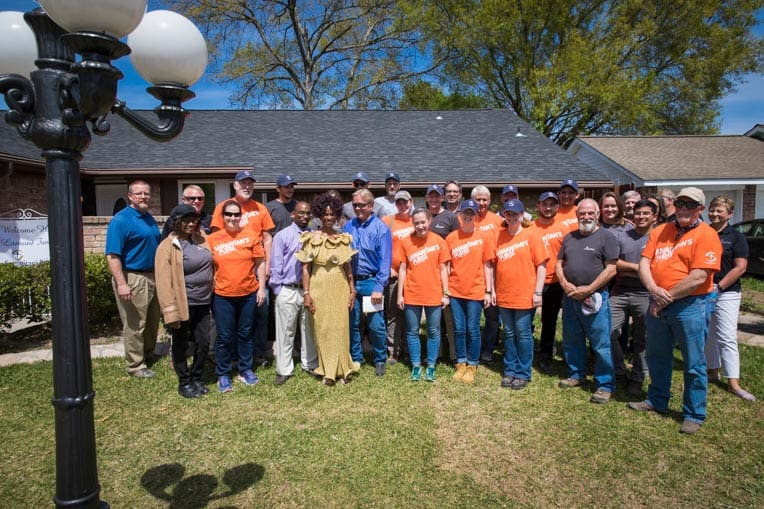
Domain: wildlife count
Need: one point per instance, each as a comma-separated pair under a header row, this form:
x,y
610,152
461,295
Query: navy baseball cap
x,y
285,180
549,194
245,174
392,175
514,206
361,176
510,189
468,205
436,188
183,210
569,183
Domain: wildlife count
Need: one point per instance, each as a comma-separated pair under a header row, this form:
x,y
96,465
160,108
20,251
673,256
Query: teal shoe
x,y
429,374
416,374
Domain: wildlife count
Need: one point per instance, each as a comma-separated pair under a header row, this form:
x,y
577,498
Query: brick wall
x,y
94,231
24,190
749,202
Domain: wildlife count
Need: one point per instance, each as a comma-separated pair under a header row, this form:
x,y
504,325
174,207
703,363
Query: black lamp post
x,y
53,110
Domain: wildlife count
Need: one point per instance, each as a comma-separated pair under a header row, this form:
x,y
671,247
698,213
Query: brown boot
x,y
469,375
460,369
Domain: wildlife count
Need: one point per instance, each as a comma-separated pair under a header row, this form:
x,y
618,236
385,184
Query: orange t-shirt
x,y
254,216
423,257
400,228
491,223
469,251
517,257
567,217
551,235
671,260
234,257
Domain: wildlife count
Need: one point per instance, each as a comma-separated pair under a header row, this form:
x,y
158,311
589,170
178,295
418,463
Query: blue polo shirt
x,y
374,243
133,237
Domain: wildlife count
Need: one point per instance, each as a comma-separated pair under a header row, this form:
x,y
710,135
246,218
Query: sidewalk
x,y
750,332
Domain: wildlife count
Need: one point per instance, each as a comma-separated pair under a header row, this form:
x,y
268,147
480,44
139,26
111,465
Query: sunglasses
x,y
194,198
359,205
232,214
686,204
359,183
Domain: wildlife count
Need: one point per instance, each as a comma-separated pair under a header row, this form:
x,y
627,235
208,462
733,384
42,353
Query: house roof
x,y
327,147
672,158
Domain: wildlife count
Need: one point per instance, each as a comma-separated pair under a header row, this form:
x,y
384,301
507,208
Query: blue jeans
x,y
413,316
684,322
518,342
466,314
576,327
375,321
233,320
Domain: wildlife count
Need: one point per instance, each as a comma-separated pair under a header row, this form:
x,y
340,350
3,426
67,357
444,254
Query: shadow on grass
x,y
168,482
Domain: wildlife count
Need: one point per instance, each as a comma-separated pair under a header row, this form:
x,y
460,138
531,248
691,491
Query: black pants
x,y
551,302
197,328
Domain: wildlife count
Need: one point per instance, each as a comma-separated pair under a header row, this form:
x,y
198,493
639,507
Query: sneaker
x,y
143,373
641,406
416,374
507,381
429,374
486,358
519,384
248,377
188,390
600,396
379,369
689,427
200,387
569,382
460,369
469,375
392,360
634,388
280,380
224,384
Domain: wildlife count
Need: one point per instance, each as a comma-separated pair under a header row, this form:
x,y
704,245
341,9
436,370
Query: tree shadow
x,y
169,483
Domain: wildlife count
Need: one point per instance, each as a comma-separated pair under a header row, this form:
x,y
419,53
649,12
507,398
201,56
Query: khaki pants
x,y
140,319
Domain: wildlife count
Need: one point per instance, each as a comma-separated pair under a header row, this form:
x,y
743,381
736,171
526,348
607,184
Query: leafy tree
x,y
318,54
593,66
421,95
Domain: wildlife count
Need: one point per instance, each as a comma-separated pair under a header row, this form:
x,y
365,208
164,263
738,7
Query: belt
x,y
367,276
296,286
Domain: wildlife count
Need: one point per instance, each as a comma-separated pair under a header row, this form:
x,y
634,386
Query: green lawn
x,y
386,442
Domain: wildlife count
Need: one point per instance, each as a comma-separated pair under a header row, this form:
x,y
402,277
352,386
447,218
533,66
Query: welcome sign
x,y
24,237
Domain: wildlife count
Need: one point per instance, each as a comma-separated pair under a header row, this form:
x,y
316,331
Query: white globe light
x,y
114,17
168,48
18,47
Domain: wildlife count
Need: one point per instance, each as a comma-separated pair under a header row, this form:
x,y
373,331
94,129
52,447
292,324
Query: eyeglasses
x,y
359,183
232,214
686,204
194,198
359,205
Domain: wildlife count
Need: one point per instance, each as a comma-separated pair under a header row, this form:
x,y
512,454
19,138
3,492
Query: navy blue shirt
x,y
133,237
734,246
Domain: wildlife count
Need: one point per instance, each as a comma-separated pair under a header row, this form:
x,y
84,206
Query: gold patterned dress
x,y
330,291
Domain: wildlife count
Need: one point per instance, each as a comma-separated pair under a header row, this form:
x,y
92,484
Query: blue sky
x,y
740,110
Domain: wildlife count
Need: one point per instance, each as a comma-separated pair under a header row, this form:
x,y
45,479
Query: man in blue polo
x,y
371,271
131,243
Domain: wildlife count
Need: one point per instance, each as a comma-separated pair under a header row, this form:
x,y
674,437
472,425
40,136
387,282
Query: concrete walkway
x,y
750,332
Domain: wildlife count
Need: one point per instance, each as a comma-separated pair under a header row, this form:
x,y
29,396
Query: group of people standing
x,y
373,267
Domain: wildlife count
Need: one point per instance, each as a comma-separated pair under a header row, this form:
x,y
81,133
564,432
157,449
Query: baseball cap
x,y
360,176
435,187
245,174
549,194
392,175
510,189
514,206
183,210
591,304
569,183
468,205
402,195
285,180
692,193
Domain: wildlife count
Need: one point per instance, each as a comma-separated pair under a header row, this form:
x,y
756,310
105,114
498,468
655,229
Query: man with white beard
x,y
585,263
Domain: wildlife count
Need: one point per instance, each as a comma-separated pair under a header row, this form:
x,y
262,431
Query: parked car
x,y
754,234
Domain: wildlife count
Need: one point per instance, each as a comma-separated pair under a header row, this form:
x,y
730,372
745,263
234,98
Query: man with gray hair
x,y
192,195
629,199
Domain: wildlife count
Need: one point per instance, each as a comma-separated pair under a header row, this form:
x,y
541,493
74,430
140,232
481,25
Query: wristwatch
x,y
446,294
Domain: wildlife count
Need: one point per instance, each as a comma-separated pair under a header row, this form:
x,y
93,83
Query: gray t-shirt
x,y
198,273
444,223
631,245
585,256
281,213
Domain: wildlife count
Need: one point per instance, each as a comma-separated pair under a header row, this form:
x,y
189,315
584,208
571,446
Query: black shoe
x,y
545,365
201,388
260,362
280,380
188,390
379,369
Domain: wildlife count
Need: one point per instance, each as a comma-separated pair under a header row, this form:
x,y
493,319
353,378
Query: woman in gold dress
x,y
327,281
